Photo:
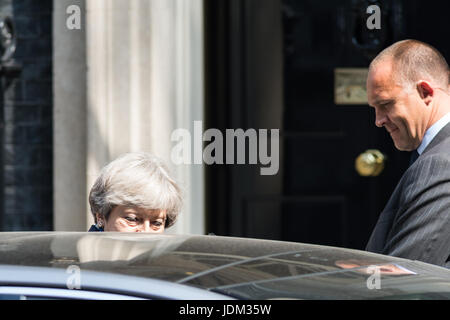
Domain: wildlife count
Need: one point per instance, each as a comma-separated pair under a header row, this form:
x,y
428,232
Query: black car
x,y
102,265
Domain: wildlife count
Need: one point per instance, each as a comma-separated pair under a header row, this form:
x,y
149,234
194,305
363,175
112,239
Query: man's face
x,y
401,113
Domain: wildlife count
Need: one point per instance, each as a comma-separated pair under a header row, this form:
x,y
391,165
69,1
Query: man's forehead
x,y
381,73
379,82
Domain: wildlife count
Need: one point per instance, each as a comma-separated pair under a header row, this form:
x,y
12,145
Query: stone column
x,y
130,76
69,119
144,80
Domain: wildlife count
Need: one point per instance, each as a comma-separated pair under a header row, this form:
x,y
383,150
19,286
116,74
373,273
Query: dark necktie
x,y
414,156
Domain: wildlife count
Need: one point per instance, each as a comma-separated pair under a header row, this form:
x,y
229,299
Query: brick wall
x,y
27,136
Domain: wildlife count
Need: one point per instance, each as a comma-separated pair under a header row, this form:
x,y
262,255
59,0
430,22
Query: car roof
x,y
240,267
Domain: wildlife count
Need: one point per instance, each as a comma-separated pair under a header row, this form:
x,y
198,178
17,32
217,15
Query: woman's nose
x,y
144,227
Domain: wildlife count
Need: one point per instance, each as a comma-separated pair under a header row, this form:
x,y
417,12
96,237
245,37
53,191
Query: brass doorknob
x,y
370,163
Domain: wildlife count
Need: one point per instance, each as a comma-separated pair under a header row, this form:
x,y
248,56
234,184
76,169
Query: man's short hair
x,y
413,60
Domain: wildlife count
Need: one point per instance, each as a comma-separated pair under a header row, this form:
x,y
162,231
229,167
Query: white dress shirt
x,y
432,132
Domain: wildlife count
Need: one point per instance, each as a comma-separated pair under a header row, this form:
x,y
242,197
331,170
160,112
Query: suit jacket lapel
x,y
443,134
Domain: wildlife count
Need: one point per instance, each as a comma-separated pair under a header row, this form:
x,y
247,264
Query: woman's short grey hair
x,y
136,179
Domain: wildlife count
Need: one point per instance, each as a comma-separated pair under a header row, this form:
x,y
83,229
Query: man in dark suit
x,y
408,86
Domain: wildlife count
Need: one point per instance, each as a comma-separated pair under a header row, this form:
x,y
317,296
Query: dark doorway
x,y
317,196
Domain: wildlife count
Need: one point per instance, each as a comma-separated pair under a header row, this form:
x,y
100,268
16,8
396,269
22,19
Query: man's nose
x,y
380,119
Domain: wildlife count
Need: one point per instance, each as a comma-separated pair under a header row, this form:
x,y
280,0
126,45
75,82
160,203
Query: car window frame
x,y
59,293
97,281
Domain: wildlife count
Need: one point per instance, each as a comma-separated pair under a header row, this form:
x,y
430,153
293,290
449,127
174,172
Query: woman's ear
x,y
425,91
99,220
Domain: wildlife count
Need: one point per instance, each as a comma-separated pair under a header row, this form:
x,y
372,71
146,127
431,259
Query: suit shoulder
x,y
442,147
432,160
430,172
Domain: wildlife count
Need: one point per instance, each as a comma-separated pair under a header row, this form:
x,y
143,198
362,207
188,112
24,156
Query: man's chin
x,y
402,147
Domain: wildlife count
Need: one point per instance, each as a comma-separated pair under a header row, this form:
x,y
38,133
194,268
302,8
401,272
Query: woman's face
x,y
135,219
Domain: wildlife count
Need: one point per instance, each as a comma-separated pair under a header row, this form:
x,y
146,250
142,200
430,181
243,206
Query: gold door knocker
x,y
370,163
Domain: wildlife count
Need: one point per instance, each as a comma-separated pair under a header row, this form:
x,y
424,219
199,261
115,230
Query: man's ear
x,y
425,91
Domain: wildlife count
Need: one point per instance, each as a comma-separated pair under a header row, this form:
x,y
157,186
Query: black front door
x,y
318,196
329,201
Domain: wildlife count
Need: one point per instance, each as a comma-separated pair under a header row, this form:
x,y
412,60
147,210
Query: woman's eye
x,y
131,219
158,224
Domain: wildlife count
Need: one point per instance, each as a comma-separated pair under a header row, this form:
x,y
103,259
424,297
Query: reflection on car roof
x,y
235,266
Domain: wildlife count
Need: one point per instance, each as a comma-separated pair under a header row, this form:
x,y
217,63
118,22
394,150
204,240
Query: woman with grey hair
x,y
135,193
